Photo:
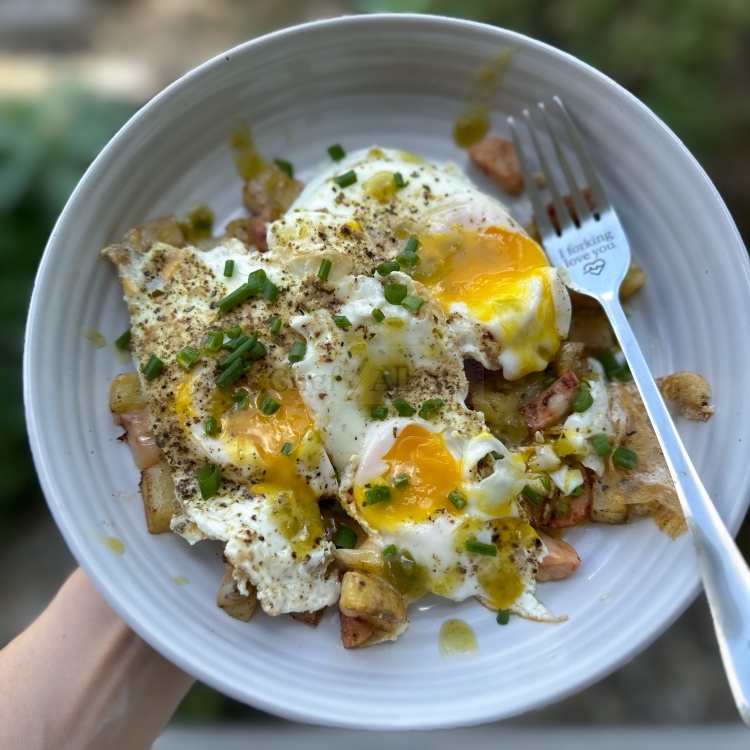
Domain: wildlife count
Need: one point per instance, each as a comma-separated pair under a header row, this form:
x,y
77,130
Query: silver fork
x,y
593,254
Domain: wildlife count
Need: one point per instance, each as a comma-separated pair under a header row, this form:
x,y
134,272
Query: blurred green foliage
x,y
45,146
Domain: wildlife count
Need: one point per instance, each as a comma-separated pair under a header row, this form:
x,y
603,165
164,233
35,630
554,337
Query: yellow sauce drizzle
x,y
457,637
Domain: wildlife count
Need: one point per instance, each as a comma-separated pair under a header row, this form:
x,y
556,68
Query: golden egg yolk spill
x,y
432,473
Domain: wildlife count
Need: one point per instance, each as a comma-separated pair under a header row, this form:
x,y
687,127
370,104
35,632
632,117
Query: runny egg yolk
x,y
432,474
477,267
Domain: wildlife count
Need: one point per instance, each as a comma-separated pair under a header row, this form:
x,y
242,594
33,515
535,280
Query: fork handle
x,y
725,574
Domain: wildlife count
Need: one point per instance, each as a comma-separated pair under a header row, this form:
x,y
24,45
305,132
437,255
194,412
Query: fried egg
x,y
506,306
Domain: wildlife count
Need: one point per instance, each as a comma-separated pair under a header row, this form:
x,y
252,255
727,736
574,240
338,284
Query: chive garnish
x,y
624,457
409,255
497,456
269,405
401,481
232,344
609,363
346,538
531,494
270,290
325,269
297,352
342,321
388,267
236,370
412,303
403,407
276,326
245,346
286,449
211,426
378,315
346,179
388,379
398,180
378,493
285,167
389,550
241,398
123,341
430,406
583,399
234,332
601,444
336,152
212,341
379,412
209,478
503,616
256,280
187,358
228,268
577,491
472,545
257,351
457,499
395,293
240,294
153,367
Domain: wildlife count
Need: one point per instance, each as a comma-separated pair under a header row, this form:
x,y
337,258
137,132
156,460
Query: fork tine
x,y
564,219
543,221
581,206
600,197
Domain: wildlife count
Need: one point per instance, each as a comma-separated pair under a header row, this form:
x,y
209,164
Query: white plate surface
x,y
394,81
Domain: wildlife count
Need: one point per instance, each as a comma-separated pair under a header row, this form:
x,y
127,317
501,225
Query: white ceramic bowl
x,y
394,81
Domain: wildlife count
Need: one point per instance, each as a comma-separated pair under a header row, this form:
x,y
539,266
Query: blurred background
x,y
73,71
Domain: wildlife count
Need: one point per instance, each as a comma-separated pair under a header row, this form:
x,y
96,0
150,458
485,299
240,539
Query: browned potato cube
x,y
157,491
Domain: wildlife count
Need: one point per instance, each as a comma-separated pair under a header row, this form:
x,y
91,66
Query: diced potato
x,y
372,600
606,507
634,279
125,394
570,356
166,229
311,618
362,560
241,607
691,392
157,491
355,632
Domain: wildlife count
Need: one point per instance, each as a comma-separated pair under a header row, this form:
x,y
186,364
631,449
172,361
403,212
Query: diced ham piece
x,y
140,438
561,560
497,158
550,406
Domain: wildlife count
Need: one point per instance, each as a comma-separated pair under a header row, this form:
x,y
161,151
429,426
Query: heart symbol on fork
x,y
595,267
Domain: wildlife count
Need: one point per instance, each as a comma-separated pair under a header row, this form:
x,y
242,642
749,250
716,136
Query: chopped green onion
x,y
546,482
346,538
212,341
240,294
403,407
346,179
235,343
187,357
247,344
577,491
389,550
256,280
228,268
388,379
208,480
342,321
503,616
457,499
236,370
379,412
270,290
497,456
472,545
276,326
325,269
409,255
337,475
378,315
211,426
624,374
395,293
336,152
398,180
269,406
548,378
234,332
257,351
297,352
531,494
583,399
241,398
609,363
286,449
388,267
153,367
377,494
412,303
337,507
624,457
600,443
401,481
123,341
430,406
285,167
